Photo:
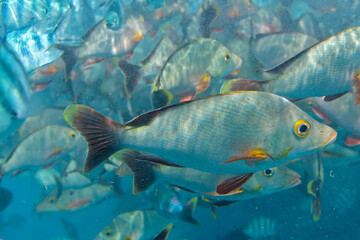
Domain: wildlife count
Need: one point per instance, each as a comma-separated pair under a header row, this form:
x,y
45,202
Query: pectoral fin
x,y
352,141
335,96
232,184
242,85
204,83
253,156
161,98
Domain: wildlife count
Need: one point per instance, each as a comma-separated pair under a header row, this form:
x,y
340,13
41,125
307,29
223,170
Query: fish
x,y
343,112
256,143
164,233
27,156
331,77
189,70
219,187
114,17
5,198
261,227
74,199
128,225
14,88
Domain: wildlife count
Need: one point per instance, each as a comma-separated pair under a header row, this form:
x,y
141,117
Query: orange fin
x,y
255,155
187,98
321,115
79,203
316,209
352,141
232,184
204,83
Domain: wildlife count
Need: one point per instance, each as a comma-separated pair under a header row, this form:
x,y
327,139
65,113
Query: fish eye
x,y
269,172
227,57
51,199
108,232
302,128
72,134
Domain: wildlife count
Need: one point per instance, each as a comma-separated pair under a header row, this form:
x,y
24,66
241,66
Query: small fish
x,y
39,150
180,135
114,17
332,77
189,70
14,88
74,199
125,226
261,227
216,186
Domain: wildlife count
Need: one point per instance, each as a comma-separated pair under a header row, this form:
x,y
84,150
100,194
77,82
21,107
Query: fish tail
x,y
188,210
132,75
144,175
101,133
242,85
164,233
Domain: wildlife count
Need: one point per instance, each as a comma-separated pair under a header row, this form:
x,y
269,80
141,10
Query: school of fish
x,y
178,119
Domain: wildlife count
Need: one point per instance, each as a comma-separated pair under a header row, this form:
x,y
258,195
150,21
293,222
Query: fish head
x,y
272,180
223,62
69,139
49,204
109,233
296,134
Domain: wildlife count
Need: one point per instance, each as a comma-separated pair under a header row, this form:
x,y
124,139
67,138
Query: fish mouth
x,y
296,181
330,140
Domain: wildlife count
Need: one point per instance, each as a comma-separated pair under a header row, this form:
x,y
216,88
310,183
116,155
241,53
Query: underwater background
x,y
125,58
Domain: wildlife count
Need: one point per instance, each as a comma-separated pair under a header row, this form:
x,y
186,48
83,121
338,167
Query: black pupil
x,y
227,57
268,172
108,233
303,128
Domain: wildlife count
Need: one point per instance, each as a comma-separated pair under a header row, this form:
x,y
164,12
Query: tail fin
x,y
100,132
186,214
164,233
144,175
132,75
242,85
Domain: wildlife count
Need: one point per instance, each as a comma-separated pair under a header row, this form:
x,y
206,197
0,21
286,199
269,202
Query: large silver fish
x,y
329,68
239,132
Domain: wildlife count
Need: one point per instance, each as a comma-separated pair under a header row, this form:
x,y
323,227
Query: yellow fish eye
x,y
227,57
108,232
269,172
72,134
302,128
52,199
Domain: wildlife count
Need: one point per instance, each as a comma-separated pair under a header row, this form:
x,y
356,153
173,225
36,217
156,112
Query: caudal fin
x,y
100,132
188,210
242,85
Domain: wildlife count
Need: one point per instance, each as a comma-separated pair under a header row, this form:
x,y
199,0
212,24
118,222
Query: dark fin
x,y
232,184
164,233
213,211
224,203
144,175
207,16
59,188
242,85
333,97
161,98
182,188
156,159
148,58
100,132
5,198
186,214
132,75
70,60
2,172
356,87
17,172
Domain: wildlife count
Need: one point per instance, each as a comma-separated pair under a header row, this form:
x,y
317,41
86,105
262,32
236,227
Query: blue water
x,y
89,35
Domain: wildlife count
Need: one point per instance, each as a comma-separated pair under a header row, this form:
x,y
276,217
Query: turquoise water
x,y
127,58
